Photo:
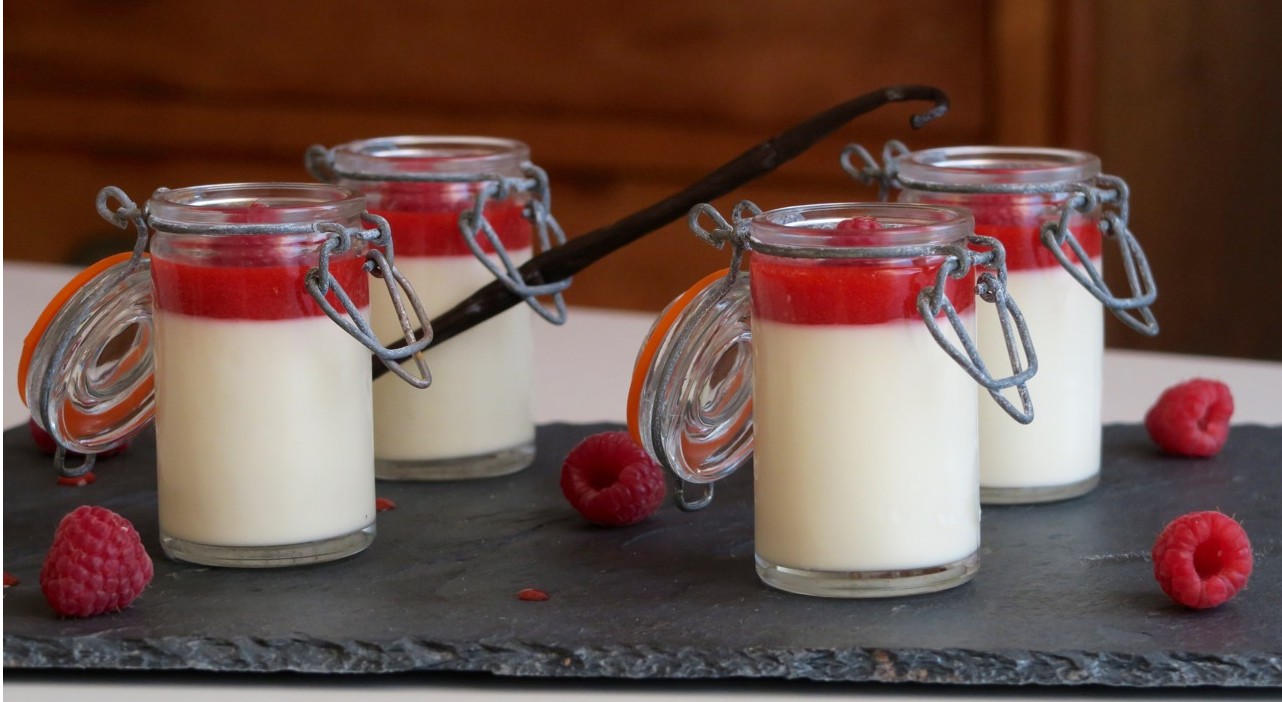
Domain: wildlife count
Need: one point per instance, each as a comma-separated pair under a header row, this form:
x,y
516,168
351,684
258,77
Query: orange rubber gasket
x,y
651,346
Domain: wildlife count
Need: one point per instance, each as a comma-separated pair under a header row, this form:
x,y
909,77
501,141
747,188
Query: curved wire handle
x,y
320,282
539,212
1112,195
990,286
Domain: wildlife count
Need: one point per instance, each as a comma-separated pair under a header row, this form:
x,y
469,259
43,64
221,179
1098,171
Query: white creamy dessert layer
x,y
263,430
1062,444
482,380
866,454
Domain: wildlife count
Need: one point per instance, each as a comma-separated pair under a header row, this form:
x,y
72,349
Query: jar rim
x,y
231,203
993,165
428,154
807,230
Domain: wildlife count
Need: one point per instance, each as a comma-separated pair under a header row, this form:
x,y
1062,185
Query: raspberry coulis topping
x,y
251,289
424,218
1016,221
800,291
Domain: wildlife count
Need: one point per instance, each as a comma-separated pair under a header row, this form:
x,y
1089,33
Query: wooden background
x,y
624,103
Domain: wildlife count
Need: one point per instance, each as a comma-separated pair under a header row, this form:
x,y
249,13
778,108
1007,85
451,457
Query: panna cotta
x,y
264,432
865,441
476,419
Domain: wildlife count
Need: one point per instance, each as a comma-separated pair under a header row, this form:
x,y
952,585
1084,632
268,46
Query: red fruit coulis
x,y
426,223
258,286
806,291
1012,220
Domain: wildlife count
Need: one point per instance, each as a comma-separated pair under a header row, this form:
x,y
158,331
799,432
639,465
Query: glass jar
x,y
477,419
1046,206
262,403
863,432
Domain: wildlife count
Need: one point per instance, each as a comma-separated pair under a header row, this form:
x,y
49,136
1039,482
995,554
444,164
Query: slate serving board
x,y
1065,594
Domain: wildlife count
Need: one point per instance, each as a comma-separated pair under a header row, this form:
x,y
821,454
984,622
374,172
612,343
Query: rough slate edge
x,y
92,647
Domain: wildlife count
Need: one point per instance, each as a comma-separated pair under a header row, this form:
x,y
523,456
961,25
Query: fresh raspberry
x,y
611,481
46,444
859,224
1191,418
1202,559
96,564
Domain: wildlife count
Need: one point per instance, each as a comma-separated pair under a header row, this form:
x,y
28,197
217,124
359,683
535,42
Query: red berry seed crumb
x,y
611,481
382,504
96,564
1191,418
10,579
530,594
78,481
1202,559
859,224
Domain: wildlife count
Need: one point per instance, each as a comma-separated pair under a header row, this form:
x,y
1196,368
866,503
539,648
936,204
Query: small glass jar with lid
x,y
238,324
822,362
465,211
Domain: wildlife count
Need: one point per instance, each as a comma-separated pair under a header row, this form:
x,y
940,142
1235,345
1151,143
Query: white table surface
x,y
584,368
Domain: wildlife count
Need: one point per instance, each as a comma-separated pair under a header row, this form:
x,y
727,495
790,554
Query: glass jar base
x,y
1034,495
330,549
487,465
868,584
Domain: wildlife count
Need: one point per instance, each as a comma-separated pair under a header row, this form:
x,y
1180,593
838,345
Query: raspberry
x,y
1202,559
1191,418
859,224
611,481
96,564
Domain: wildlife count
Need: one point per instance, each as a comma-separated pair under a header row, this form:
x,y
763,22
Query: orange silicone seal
x,y
652,343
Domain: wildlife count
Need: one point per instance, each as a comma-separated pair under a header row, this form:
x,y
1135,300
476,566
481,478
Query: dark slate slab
x,y
1065,594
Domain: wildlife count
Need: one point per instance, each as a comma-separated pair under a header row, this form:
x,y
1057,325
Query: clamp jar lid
x,y
962,166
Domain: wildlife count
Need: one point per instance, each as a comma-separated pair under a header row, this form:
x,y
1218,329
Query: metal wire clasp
x,y
320,282
1112,196
990,286
472,222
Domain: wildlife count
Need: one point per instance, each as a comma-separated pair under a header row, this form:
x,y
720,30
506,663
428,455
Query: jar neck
x,y
261,209
977,168
430,155
883,230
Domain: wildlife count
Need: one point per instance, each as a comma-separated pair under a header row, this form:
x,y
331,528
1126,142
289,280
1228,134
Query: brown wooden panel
x,y
1188,115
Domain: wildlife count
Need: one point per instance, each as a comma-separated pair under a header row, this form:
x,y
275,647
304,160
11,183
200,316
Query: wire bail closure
x,y
320,162
318,280
1109,193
